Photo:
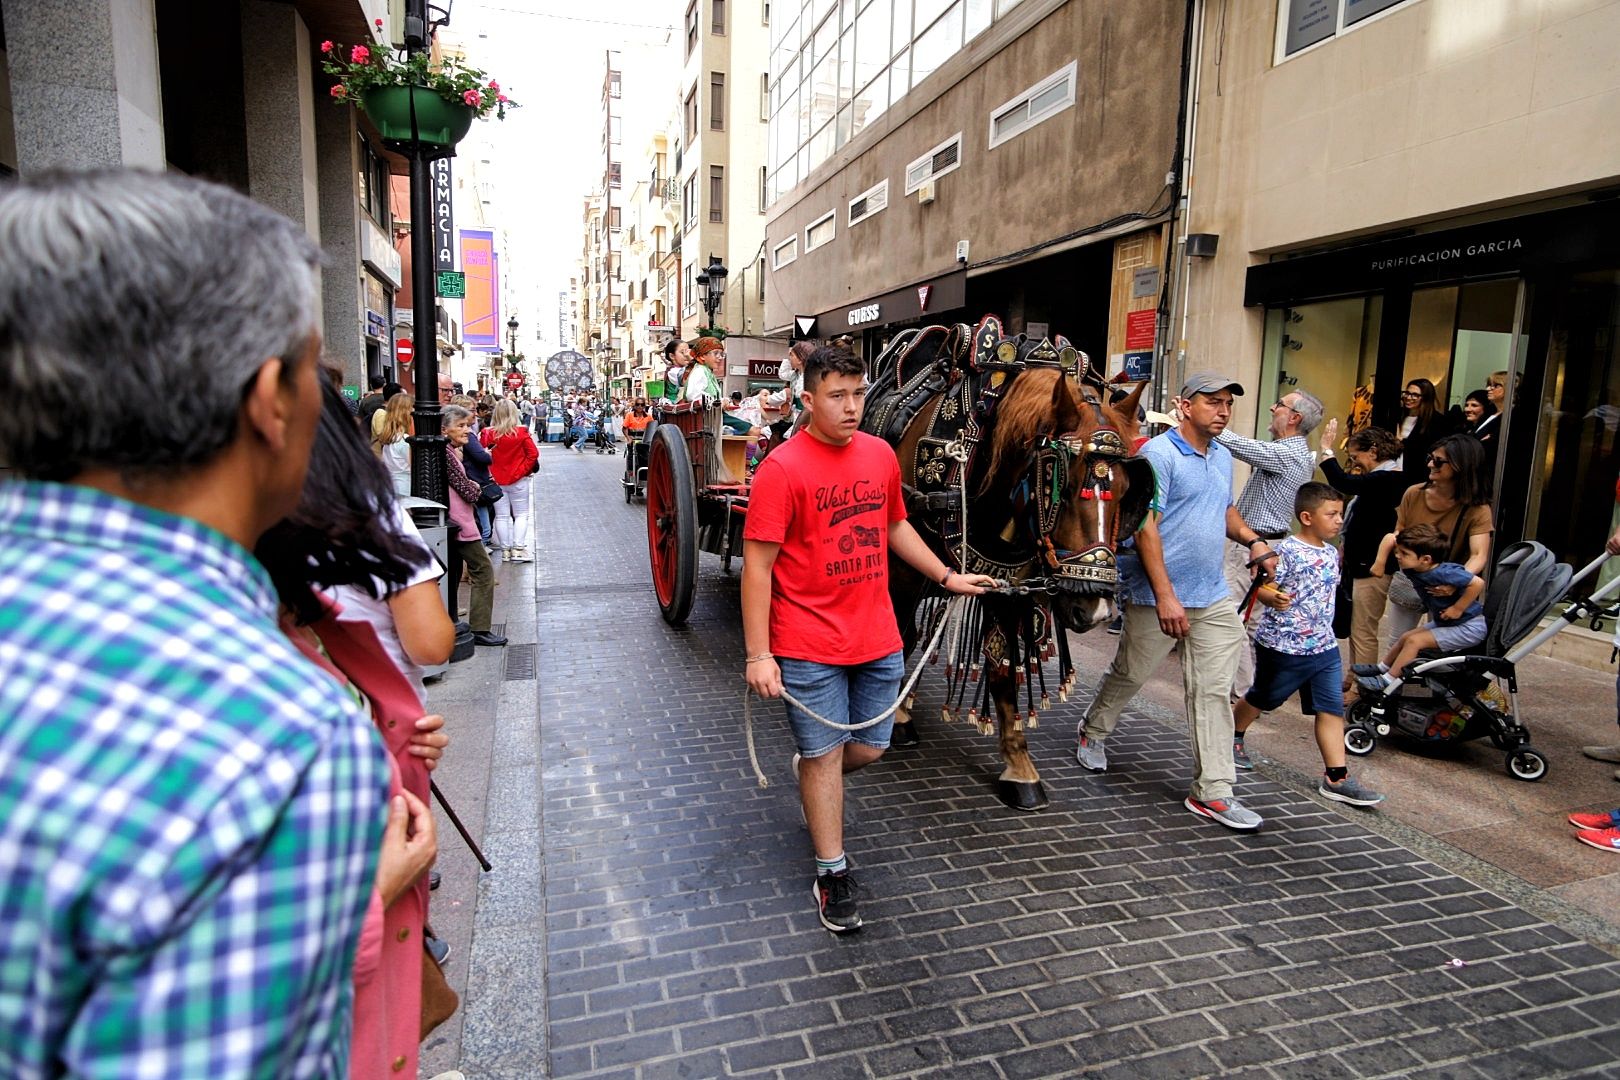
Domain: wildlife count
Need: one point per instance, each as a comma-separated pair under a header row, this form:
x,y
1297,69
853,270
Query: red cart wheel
x,y
671,523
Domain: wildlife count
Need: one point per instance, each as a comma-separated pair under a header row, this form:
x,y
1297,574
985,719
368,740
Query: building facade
x,y
1420,189
934,161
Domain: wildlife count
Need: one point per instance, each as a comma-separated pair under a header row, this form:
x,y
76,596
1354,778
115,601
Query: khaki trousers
x,y
1209,655
1238,579
1369,597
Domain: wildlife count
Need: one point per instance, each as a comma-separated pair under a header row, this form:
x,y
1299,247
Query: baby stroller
x,y
1451,698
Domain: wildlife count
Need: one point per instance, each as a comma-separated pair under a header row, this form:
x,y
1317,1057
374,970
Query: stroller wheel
x,y
1526,763
1359,740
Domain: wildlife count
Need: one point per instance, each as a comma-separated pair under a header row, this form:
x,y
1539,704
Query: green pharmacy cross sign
x,y
452,285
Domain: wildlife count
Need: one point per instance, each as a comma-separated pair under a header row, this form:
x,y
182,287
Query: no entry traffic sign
x,y
405,350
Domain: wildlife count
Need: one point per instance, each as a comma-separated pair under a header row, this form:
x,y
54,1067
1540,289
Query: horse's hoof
x,y
904,735
1023,795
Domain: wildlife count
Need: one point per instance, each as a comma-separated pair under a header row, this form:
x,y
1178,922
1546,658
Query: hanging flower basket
x,y
438,122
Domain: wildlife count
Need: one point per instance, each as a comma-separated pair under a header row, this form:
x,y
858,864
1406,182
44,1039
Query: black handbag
x,y
489,492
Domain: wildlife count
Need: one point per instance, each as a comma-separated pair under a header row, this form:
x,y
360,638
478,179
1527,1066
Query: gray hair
x,y
449,414
1309,407
135,309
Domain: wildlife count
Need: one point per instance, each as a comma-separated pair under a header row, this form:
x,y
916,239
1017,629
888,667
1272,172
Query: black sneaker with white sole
x,y
835,902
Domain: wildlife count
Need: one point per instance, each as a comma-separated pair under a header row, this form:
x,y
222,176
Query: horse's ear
x,y
1128,407
1065,409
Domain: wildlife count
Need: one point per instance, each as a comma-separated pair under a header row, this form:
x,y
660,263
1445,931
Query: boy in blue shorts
x,y
1294,647
1449,591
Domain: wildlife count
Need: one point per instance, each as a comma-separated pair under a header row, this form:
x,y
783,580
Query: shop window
x,y
1329,349
820,231
1302,24
1040,102
869,202
1575,417
1458,335
784,253
942,159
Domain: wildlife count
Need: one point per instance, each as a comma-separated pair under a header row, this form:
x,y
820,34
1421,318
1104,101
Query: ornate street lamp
x,y
711,283
511,337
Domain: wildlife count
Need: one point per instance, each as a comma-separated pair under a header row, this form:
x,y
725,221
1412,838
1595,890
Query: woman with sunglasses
x,y
1424,424
1456,499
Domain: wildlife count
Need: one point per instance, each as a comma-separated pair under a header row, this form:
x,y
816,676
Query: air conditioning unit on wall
x,y
925,193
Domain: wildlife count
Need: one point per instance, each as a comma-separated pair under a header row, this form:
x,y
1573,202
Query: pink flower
x,y
379,24
473,98
493,85
502,98
359,54
340,91
326,46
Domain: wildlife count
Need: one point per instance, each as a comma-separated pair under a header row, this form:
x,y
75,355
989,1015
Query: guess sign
x,y
869,313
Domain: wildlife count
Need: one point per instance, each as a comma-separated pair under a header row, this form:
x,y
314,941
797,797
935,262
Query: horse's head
x,y
1088,490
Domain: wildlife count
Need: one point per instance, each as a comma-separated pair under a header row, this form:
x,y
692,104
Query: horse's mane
x,y
1027,412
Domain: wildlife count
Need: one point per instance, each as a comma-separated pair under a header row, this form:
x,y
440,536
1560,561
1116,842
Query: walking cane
x,y
444,804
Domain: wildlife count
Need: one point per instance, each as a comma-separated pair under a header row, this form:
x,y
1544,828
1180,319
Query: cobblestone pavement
x,y
650,914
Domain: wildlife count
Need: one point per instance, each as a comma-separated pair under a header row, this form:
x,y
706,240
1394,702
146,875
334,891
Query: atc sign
x,y
405,350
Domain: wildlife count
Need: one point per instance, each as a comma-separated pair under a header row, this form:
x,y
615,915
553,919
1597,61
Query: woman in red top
x,y
516,458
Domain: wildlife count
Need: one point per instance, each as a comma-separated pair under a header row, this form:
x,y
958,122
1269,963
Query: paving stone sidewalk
x,y
660,901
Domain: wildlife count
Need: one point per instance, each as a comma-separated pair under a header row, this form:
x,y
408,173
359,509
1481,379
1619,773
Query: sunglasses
x,y
1436,462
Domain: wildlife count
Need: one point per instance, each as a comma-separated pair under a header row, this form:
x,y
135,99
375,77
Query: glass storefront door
x,y
1576,463
1329,349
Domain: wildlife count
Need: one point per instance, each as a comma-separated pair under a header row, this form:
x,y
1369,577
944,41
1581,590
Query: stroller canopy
x,y
1528,583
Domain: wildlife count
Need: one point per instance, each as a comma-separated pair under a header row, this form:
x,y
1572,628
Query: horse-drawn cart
x,y
697,499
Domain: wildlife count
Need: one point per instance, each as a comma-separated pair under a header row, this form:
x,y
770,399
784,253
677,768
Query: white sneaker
x,y
1091,754
522,555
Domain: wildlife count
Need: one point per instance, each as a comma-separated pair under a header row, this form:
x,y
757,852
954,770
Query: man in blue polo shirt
x,y
1174,589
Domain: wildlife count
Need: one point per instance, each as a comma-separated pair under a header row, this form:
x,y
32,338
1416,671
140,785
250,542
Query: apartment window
x,y
692,26
691,203
691,115
1040,102
765,96
820,231
784,253
717,193
717,19
614,87
717,101
869,202
614,174
944,158
613,218
765,13
759,278
1302,24
764,189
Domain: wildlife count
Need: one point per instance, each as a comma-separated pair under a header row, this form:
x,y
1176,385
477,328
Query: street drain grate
x,y
520,662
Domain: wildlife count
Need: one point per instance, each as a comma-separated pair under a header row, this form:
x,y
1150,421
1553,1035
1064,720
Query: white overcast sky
x,y
546,156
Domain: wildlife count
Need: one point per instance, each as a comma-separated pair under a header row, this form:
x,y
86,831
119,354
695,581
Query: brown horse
x,y
1051,489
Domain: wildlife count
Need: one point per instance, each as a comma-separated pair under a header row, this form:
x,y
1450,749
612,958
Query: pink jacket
x,y
388,962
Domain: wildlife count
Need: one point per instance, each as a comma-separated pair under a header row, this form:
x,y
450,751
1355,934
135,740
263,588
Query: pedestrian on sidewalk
x,y
191,810
390,444
1610,753
1174,589
515,458
342,537
1295,650
820,624
1280,467
464,495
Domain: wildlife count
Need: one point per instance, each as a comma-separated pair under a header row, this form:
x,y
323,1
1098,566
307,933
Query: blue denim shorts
x,y
845,694
1458,637
1319,678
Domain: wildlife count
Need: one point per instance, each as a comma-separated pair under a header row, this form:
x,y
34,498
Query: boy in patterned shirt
x,y
1294,646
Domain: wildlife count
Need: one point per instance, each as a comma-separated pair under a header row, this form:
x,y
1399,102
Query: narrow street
x,y
649,913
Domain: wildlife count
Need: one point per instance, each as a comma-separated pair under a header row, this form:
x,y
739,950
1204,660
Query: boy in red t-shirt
x,y
824,511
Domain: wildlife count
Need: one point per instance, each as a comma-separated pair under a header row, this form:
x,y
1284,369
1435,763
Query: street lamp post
x,y
511,336
711,283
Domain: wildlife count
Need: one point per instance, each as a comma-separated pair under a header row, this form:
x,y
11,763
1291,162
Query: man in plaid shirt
x,y
190,813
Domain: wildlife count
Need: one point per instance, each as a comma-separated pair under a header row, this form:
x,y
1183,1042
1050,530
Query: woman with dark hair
x,y
343,535
1424,423
1376,488
1456,499
1484,424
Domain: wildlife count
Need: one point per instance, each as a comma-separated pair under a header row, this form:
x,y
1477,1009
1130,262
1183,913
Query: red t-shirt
x,y
830,508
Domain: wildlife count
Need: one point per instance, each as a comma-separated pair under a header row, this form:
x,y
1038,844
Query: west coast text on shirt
x,y
830,508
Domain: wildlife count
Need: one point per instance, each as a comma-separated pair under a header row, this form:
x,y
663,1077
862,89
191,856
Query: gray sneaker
x,y
1227,811
1091,754
1602,753
1349,790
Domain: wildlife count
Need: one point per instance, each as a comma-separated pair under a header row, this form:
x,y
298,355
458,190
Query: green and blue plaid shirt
x,y
190,812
